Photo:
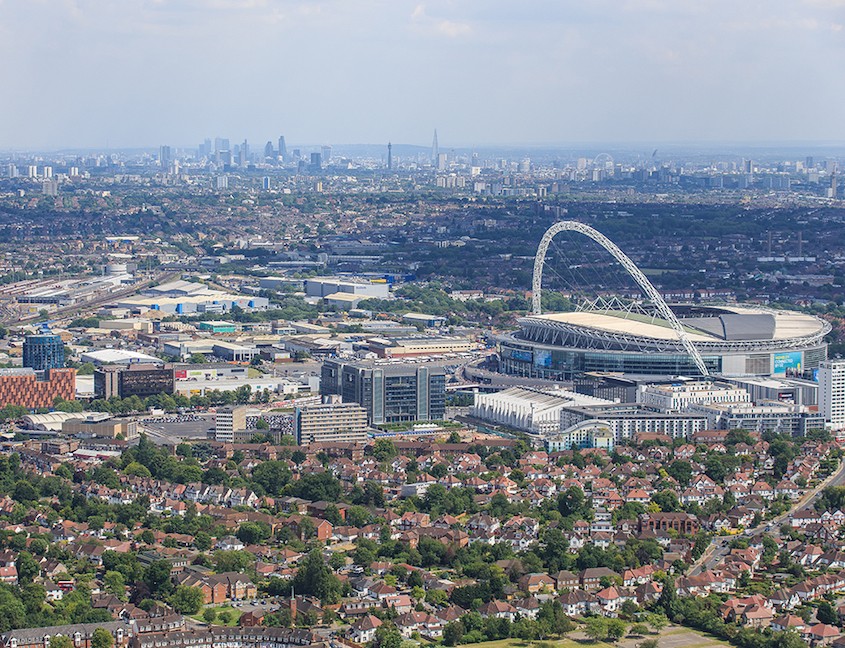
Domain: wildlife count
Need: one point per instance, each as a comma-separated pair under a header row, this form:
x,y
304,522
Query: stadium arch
x,y
630,267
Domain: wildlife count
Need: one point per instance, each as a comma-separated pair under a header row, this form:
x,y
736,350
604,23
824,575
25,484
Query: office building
x,y
283,149
139,380
389,156
832,394
268,150
34,389
332,421
316,162
389,393
227,421
43,351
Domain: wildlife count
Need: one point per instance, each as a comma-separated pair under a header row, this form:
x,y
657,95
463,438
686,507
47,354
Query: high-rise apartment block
x,y
832,394
227,421
43,351
332,421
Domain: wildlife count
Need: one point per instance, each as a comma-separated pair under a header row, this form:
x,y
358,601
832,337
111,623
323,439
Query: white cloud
x,y
453,29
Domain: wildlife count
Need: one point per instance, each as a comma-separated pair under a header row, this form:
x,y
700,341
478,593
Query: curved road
x,y
718,548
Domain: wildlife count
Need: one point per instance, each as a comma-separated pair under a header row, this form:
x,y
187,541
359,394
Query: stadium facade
x,y
732,341
658,338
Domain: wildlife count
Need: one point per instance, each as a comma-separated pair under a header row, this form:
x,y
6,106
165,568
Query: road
x,y
719,548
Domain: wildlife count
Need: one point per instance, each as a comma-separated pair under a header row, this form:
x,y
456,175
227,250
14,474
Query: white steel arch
x,y
630,267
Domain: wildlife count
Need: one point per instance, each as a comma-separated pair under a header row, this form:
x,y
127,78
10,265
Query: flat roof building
x,y
45,351
35,389
832,394
332,421
390,393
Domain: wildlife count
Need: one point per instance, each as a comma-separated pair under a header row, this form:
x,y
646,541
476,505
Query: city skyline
x,y
640,71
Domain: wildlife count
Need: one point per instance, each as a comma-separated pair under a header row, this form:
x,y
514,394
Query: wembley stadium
x,y
655,338
731,341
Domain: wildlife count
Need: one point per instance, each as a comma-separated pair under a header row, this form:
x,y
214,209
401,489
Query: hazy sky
x,y
145,72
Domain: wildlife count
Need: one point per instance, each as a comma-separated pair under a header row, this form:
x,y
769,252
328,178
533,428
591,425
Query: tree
x,y
187,599
157,578
387,636
202,541
272,476
253,532
102,638
27,566
209,615
315,578
60,641
383,449
616,629
224,616
24,492
657,621
114,583
596,628
826,613
453,632
640,629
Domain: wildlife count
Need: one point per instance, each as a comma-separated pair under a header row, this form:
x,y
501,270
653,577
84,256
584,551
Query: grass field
x,y
671,637
234,613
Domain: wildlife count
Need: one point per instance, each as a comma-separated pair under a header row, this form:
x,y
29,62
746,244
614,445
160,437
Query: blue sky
x,y
144,72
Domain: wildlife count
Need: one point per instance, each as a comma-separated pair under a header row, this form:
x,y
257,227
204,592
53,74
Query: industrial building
x,y
118,357
183,297
409,347
102,426
332,421
325,287
390,393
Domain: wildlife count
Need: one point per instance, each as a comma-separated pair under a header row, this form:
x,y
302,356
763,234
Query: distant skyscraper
x,y
316,162
13,171
164,156
327,154
45,351
809,162
48,172
268,150
435,149
283,150
222,183
389,156
265,183
221,144
243,156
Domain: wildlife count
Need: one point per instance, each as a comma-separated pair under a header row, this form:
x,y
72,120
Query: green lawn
x,y
233,612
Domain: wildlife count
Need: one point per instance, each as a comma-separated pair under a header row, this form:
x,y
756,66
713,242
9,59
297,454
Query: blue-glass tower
x,y
43,351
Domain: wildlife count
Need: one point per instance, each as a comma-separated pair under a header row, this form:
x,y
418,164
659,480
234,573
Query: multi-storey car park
x,y
682,339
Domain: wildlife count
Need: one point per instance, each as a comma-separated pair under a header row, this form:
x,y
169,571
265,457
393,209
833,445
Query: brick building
x,y
33,389
680,522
